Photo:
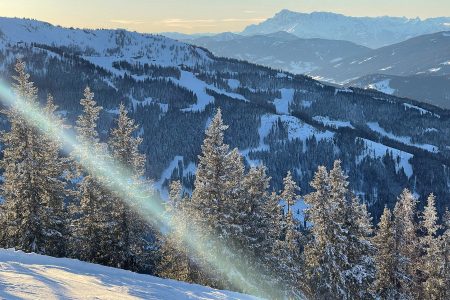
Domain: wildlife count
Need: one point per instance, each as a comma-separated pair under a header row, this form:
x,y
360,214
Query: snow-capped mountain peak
x,y
372,32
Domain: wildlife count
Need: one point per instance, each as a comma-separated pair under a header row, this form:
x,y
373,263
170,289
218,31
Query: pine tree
x,y
92,227
33,211
274,224
232,213
446,253
322,274
289,248
336,266
130,232
256,237
255,225
386,282
208,195
176,262
407,245
224,210
432,262
55,217
209,198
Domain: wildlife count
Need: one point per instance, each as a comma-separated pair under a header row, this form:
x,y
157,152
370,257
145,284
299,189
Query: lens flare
x,y
120,180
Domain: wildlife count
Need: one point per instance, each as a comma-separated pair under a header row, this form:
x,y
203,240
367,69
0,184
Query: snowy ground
x,y
32,276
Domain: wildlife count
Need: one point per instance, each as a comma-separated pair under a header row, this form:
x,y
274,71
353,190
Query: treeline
x,y
55,204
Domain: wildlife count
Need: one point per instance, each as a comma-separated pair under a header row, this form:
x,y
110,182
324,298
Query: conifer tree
x,y
211,177
273,220
255,224
320,272
290,252
130,232
337,269
33,212
232,214
446,253
209,198
54,215
407,244
92,227
386,282
176,258
432,262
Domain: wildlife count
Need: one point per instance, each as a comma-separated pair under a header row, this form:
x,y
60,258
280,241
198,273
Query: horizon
x,y
200,16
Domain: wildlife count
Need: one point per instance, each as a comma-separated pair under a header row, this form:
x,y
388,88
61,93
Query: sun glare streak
x,y
120,180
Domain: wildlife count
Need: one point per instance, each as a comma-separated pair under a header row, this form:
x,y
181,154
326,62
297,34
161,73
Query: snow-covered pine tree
x,y
446,253
337,268
432,262
274,224
130,232
233,214
211,176
55,217
255,225
209,195
386,282
92,223
320,272
290,189
361,251
33,210
176,259
289,247
222,208
407,244
262,228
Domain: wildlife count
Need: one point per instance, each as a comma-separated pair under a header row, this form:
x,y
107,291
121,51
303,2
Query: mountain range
x,y
416,65
286,121
373,32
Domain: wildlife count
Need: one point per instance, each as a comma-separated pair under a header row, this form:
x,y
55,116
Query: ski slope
x,y
33,276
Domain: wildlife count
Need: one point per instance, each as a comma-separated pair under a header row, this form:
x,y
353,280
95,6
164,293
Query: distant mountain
x,y
372,32
433,89
281,50
426,54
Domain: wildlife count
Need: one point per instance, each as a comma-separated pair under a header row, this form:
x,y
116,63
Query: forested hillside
x,y
88,198
288,122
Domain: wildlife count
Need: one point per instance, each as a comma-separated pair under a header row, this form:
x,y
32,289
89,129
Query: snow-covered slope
x,y
32,276
367,31
96,44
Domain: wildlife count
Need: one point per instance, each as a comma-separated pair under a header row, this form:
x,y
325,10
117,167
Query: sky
x,y
195,16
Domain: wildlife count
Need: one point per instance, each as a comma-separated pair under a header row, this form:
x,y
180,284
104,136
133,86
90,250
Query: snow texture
x,y
32,276
333,123
382,86
374,126
377,150
282,104
198,87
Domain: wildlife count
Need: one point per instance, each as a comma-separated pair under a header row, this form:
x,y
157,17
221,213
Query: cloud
x,y
243,20
202,23
127,22
189,23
